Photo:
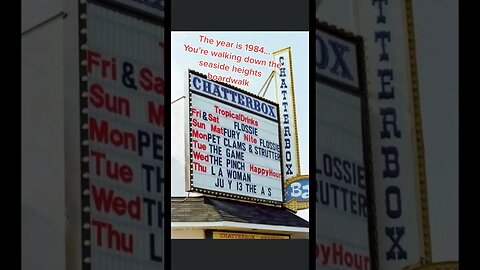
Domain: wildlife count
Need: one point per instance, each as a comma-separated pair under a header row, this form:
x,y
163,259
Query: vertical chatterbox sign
x,y
126,140
234,143
400,186
286,99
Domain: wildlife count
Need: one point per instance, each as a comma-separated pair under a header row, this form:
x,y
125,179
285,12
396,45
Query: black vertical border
x,y
367,156
312,218
84,140
167,219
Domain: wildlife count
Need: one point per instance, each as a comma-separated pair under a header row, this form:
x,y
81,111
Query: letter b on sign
x,y
299,191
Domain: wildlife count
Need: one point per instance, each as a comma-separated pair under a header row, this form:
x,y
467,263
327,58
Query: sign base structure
x,y
297,193
214,218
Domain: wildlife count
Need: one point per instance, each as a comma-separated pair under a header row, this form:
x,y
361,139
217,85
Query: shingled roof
x,y
205,209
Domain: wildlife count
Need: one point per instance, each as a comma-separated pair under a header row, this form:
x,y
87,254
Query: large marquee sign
x,y
341,151
235,148
122,142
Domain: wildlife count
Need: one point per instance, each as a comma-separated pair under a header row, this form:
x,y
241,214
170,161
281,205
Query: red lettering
x,y
199,145
107,66
198,134
336,255
155,113
198,124
150,82
117,240
107,201
199,167
114,104
102,133
113,170
92,59
199,156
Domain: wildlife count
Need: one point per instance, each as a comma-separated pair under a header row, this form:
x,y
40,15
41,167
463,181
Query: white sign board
x,y
383,26
125,130
341,202
336,59
235,149
288,119
342,229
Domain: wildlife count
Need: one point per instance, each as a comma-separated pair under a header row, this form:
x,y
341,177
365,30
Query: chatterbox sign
x,y
235,148
246,236
125,140
286,98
